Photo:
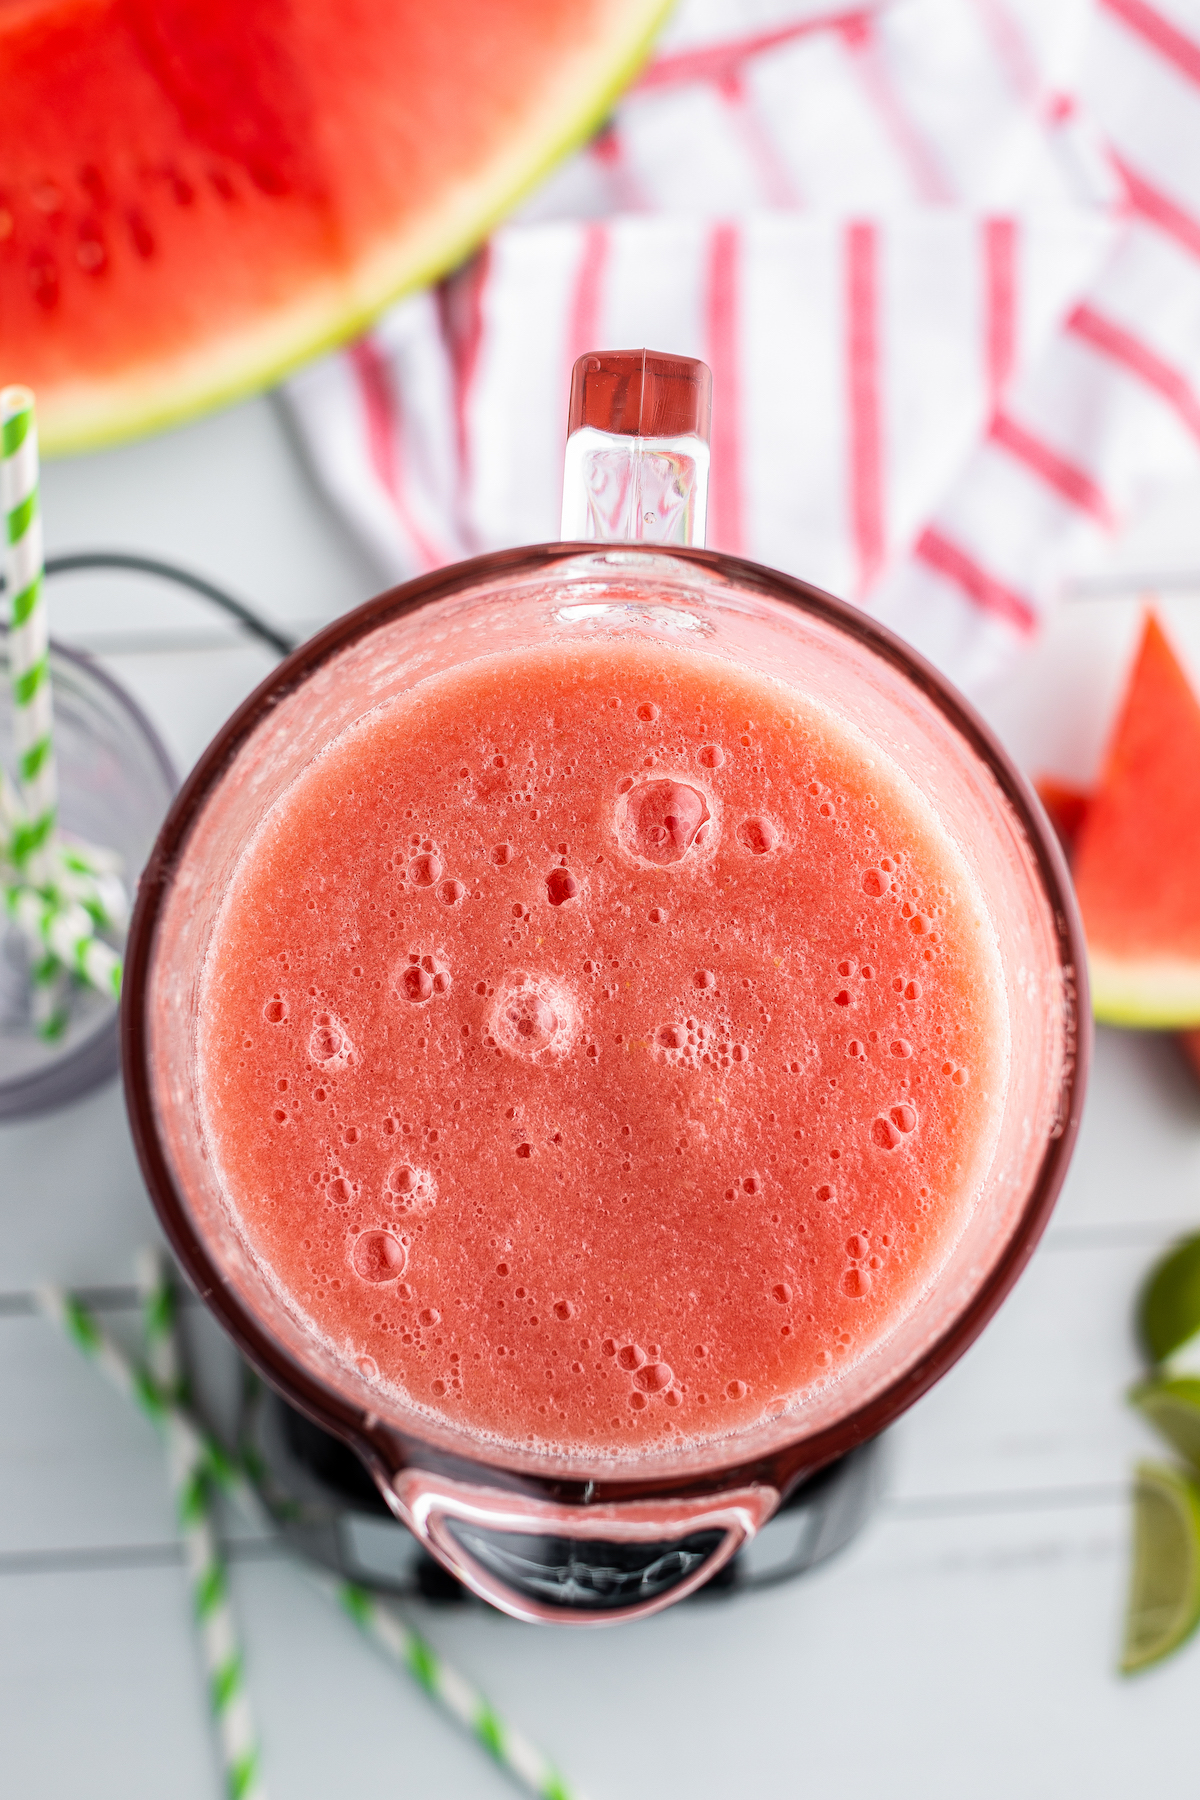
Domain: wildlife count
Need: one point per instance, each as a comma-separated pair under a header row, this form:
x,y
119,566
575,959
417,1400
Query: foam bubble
x,y
654,1377
329,1043
561,886
661,820
532,1015
758,835
378,1256
425,869
408,1188
416,984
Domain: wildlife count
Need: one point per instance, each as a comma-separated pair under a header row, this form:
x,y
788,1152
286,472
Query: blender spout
x,y
551,1563
636,465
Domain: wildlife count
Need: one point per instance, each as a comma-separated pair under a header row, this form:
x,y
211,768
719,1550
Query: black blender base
x,y
328,1507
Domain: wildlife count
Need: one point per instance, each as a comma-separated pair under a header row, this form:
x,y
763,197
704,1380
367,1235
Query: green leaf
x,y
1169,1307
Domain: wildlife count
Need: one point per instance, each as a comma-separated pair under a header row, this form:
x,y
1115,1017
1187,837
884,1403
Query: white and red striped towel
x,y
943,257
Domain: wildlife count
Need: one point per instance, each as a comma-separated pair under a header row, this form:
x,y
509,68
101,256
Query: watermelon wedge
x,y
197,194
1137,854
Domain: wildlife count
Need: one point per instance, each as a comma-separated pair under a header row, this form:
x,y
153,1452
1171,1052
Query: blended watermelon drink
x,y
601,1034
601,1046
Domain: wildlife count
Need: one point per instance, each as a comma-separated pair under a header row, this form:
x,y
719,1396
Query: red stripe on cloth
x,y
721,334
779,189
1000,305
1137,358
1152,204
461,318
864,399
1072,483
1012,50
583,313
1166,38
989,595
381,412
858,35
608,149
717,62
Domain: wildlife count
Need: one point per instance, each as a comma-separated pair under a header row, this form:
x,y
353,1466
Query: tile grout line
x,y
1027,1500
101,1558
21,1303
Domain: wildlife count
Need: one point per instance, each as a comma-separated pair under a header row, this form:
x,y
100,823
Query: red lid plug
x,y
640,393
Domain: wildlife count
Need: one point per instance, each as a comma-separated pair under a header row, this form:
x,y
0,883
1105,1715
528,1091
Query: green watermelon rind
x,y
93,415
1151,993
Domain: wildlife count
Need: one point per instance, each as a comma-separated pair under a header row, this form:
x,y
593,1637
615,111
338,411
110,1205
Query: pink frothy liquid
x,y
602,1046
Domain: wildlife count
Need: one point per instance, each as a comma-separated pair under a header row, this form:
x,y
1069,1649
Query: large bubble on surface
x,y
660,821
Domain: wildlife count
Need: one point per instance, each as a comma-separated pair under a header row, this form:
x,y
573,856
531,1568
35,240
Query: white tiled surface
x,y
964,1645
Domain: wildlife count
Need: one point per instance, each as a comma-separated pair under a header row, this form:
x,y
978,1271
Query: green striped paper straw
x,y
79,874
89,859
49,989
12,818
62,895
67,930
79,1325
398,1642
191,1485
28,640
100,892
401,1645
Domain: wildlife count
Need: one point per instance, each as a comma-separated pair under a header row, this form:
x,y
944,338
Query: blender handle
x,y
637,459
432,1506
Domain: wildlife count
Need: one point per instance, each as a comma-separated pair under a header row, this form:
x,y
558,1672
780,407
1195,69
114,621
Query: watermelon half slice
x,y
1137,855
197,194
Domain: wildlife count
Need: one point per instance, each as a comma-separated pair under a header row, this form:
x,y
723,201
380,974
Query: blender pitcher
x,y
542,1534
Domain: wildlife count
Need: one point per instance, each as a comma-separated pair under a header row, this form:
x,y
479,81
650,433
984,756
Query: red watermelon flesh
x,y
195,194
1066,808
1137,856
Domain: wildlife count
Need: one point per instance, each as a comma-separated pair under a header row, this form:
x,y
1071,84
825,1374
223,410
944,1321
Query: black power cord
x,y
133,564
